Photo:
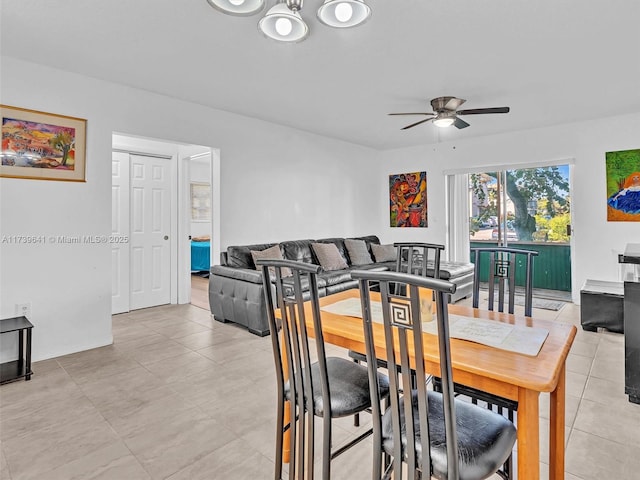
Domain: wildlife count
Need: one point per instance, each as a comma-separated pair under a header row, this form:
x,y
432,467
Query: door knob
x,y
166,237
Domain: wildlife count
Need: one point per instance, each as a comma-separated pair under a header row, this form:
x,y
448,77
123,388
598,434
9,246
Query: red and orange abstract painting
x,y
408,199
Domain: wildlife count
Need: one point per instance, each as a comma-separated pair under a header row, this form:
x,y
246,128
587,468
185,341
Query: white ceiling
x,y
551,61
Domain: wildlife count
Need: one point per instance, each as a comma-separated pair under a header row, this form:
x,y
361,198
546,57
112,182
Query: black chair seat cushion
x,y
348,387
485,439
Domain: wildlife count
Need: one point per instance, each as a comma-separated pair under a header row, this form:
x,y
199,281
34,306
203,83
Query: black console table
x,y
10,371
632,325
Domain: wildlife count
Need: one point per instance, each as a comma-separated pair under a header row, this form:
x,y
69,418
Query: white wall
x,y
276,183
596,242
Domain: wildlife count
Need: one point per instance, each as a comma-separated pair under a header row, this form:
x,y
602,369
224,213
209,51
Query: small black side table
x,y
10,371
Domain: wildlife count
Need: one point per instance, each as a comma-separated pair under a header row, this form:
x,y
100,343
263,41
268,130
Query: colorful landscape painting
x,y
41,145
408,199
623,186
37,145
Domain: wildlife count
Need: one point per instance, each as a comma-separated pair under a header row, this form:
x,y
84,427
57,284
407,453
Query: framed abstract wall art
x,y
623,186
43,146
200,202
408,199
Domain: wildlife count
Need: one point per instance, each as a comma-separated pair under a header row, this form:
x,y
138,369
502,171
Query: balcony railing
x,y
551,268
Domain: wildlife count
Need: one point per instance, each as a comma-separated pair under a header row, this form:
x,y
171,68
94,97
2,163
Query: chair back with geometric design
x,y
504,264
401,335
418,258
309,382
295,282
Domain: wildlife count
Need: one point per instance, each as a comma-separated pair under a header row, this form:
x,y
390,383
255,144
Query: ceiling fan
x,y
445,113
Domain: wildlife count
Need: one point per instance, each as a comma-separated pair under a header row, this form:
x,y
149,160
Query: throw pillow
x,y
358,252
271,253
383,253
329,256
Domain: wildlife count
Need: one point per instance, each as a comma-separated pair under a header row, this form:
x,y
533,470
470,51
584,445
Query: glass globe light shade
x,y
282,24
443,122
343,13
237,7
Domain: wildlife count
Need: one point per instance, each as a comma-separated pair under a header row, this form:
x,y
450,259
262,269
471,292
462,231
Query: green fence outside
x,y
551,268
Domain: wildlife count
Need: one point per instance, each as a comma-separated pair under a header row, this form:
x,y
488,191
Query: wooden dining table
x,y
510,375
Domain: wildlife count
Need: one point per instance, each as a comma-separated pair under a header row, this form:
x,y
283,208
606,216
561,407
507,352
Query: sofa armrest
x,y
242,274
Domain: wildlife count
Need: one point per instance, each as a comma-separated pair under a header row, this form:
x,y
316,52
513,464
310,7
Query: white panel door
x,y
120,231
150,228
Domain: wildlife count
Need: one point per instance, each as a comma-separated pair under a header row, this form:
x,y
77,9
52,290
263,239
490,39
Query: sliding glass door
x,y
525,208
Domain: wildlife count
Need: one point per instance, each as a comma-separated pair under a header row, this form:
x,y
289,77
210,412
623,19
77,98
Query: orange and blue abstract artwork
x,y
623,186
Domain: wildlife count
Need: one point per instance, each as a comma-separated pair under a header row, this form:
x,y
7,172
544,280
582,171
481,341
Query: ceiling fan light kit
x,y
446,113
443,121
283,21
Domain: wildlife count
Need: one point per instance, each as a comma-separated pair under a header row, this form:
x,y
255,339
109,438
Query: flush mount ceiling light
x,y
283,21
237,7
443,120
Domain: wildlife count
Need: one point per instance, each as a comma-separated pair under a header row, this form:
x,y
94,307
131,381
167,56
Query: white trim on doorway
x,y
180,203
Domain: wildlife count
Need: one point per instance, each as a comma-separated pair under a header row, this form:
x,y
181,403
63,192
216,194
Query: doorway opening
x,y
199,167
163,195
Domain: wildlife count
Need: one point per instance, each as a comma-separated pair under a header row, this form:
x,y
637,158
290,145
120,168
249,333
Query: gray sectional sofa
x,y
236,291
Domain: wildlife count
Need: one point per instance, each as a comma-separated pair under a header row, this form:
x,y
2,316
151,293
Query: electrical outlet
x,y
23,309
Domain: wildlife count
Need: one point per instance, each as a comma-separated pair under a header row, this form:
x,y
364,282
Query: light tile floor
x,y
180,396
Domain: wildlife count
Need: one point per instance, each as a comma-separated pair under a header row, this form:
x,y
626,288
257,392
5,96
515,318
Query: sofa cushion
x,y
240,255
334,277
358,251
369,239
453,270
341,287
287,284
298,250
329,257
339,243
383,253
271,253
375,267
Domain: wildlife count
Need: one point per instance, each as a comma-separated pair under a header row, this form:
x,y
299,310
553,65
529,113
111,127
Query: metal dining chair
x,y
436,435
329,387
419,259
502,264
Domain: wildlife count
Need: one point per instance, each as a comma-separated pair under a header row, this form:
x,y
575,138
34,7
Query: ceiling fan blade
x,y
417,123
475,111
416,113
459,123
